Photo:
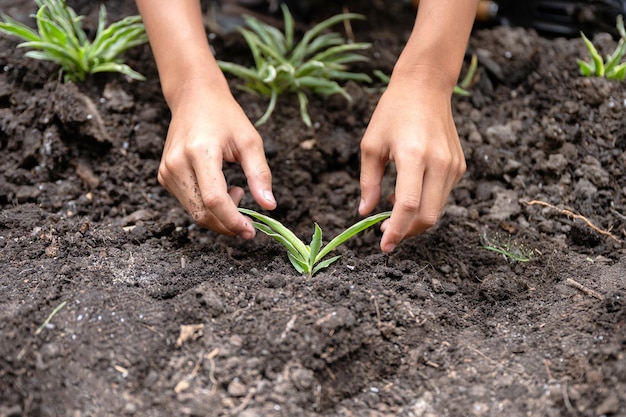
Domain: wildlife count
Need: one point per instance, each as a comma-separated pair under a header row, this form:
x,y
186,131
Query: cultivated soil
x,y
113,303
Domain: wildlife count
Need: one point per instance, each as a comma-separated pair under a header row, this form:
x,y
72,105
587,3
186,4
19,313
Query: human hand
x,y
208,128
413,127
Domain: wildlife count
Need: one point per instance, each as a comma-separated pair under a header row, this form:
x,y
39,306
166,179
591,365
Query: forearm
x,y
435,50
179,44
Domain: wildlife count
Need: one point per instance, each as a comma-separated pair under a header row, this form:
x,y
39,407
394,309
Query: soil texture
x,y
114,303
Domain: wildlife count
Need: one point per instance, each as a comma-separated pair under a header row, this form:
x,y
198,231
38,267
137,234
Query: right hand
x,y
208,127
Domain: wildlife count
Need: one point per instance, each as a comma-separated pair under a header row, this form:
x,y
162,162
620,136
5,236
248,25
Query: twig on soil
x,y
244,403
495,362
289,326
575,216
54,312
210,357
185,383
584,289
377,311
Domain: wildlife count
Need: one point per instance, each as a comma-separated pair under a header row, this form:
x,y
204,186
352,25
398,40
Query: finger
x,y
408,197
236,194
215,200
258,174
372,171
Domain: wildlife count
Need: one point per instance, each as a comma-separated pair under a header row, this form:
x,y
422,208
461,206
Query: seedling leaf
x,y
308,259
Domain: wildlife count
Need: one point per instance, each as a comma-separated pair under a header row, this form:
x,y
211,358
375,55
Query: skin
x,y
412,125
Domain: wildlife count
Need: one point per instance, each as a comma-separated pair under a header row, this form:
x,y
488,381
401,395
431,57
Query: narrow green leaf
x,y
323,41
269,35
614,59
585,68
340,49
460,91
300,266
270,109
116,67
238,70
325,263
280,229
316,244
65,55
471,73
598,63
351,231
280,239
304,102
15,28
301,49
618,73
289,27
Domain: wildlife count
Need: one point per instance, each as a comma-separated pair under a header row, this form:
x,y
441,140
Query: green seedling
x,y
507,248
60,38
309,259
612,68
461,88
314,64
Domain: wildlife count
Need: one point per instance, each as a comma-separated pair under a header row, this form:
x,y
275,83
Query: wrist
x,y
178,88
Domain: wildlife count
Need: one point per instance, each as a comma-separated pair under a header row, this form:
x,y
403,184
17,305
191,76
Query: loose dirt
x,y
160,318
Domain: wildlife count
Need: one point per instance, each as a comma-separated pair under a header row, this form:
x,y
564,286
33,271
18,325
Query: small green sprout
x,y
461,88
507,248
308,259
60,38
613,68
314,64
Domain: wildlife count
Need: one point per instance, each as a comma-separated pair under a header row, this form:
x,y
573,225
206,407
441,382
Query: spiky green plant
x,y
314,64
309,259
612,68
60,38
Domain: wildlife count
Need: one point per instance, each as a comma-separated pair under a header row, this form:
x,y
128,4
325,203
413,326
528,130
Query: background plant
x,y
309,259
314,64
612,68
60,38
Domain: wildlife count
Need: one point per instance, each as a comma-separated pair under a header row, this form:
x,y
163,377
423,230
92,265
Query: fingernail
x,y
389,247
247,235
361,205
268,196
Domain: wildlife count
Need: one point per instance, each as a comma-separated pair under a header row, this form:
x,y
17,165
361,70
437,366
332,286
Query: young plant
x,y
314,64
60,38
309,259
613,68
507,248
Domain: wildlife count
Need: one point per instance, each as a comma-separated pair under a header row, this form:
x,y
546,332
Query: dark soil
x,y
441,327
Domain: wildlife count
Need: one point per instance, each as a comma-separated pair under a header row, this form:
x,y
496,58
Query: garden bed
x,y
440,327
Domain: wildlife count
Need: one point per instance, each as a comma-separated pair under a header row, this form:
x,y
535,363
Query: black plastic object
x,y
557,17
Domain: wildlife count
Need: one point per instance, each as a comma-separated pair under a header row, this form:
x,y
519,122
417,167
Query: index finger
x,y
408,198
214,196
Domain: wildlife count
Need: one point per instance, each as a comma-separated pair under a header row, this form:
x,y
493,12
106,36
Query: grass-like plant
x,y
309,259
60,38
315,64
612,68
507,248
